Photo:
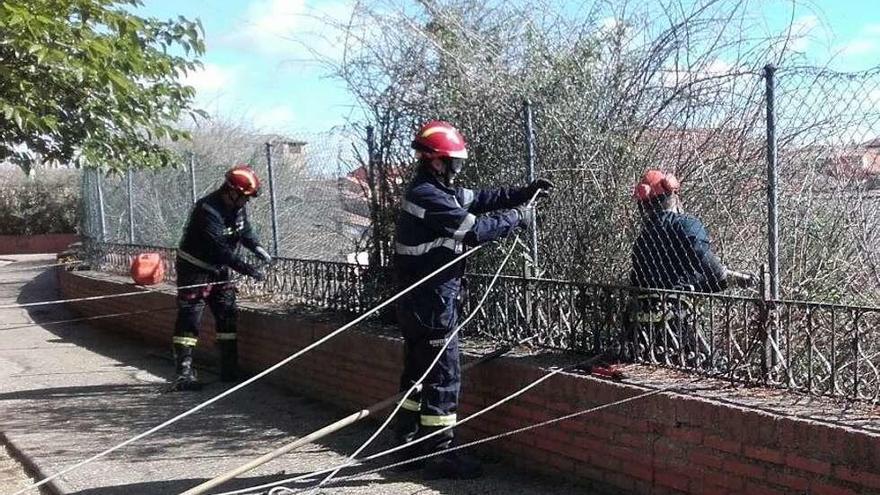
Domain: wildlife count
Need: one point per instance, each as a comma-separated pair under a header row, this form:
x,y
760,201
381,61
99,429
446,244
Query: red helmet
x,y
244,180
438,139
655,184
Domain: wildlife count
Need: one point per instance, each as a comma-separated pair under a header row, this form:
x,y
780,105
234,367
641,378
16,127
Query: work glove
x,y
526,216
540,186
741,279
249,270
263,254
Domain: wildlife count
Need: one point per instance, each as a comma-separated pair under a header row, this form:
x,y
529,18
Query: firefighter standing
x,y
673,252
217,225
437,221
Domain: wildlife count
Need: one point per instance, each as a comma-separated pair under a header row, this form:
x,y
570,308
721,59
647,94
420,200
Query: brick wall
x,y
663,444
35,244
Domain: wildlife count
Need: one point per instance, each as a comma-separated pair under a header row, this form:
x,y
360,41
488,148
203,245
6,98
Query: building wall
x,y
663,444
35,244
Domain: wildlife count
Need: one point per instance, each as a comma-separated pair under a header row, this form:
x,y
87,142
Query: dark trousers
x,y
425,328
191,302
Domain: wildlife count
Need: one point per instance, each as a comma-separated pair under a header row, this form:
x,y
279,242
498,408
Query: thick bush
x,y
46,204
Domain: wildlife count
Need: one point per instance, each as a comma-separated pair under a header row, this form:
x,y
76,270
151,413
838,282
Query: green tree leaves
x,y
89,82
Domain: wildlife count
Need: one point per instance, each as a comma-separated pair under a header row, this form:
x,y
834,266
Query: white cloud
x,y
292,28
276,119
609,23
803,31
212,78
675,76
860,47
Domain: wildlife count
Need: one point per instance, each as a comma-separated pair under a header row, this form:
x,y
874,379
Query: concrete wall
x,y
664,444
35,244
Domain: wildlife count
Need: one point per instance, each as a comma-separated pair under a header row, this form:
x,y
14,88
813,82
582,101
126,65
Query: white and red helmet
x,y
243,179
438,139
655,184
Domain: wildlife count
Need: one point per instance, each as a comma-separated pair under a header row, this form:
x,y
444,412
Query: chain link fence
x,y
312,205
824,207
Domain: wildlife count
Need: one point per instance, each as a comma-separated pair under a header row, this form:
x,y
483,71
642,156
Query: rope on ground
x,y
144,290
439,354
251,380
398,448
4,271
430,367
276,490
16,326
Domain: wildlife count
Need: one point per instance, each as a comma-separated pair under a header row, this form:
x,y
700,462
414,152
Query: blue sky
x,y
257,69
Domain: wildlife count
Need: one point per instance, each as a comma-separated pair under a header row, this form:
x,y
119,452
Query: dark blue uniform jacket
x,y
213,235
435,225
673,251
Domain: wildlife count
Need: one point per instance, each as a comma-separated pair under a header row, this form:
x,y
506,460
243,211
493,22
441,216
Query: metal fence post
x,y
772,205
130,207
192,177
100,191
272,203
375,256
530,163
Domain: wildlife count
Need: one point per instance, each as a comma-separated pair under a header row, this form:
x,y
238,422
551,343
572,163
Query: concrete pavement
x,y
70,391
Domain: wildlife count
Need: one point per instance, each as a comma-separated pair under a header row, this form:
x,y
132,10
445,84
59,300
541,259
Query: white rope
x,y
447,341
250,380
350,463
4,271
418,383
16,326
144,290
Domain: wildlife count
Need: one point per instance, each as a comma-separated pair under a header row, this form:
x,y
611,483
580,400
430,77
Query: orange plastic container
x,y
147,269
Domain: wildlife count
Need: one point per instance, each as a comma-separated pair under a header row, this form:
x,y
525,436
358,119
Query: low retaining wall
x,y
663,444
35,244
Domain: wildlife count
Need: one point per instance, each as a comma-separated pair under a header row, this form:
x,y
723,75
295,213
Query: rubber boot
x,y
185,374
228,360
406,429
447,465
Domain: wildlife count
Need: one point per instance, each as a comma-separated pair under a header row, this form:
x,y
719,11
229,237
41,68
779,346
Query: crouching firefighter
x,y
672,252
437,222
217,225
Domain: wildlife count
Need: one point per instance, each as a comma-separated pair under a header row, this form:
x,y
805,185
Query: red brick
x,y
726,480
807,464
605,461
638,440
788,480
685,434
707,458
620,481
600,431
722,444
862,478
673,479
744,469
638,470
822,488
754,488
764,454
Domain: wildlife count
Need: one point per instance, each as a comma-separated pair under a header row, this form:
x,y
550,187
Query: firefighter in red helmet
x,y
209,249
673,252
438,220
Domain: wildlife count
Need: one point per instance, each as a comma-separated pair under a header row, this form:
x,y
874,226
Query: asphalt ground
x,y
70,391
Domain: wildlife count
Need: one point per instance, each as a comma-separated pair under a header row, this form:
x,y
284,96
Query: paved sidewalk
x,y
70,391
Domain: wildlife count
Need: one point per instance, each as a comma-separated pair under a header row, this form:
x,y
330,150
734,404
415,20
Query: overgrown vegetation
x,y
46,204
619,87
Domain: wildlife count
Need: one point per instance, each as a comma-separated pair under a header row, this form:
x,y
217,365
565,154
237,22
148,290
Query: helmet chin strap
x,y
442,172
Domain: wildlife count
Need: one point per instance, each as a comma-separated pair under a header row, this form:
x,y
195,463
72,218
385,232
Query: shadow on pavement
x,y
250,422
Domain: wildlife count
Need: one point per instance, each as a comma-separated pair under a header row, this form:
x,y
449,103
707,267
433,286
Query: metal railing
x,y
822,349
